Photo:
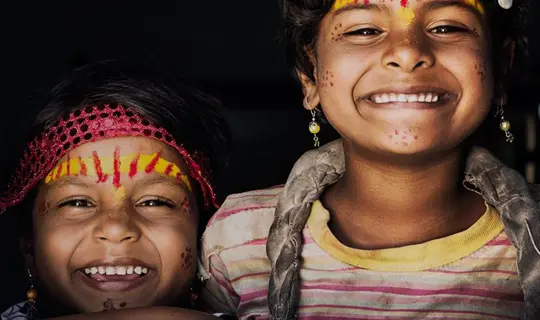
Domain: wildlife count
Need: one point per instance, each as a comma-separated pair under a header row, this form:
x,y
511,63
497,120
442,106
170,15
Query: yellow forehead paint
x,y
476,4
406,15
338,4
105,167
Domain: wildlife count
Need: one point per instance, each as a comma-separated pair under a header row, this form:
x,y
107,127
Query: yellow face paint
x,y
338,4
104,167
119,194
476,4
406,15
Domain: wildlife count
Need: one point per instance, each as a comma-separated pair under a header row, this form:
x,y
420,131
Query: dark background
x,y
230,48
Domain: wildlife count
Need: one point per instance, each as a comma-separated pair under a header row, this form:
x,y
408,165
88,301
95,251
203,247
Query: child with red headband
x,y
111,192
402,218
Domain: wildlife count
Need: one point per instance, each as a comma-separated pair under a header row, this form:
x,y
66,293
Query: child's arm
x,y
164,313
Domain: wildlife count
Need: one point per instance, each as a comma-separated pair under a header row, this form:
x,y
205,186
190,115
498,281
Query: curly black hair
x,y
302,18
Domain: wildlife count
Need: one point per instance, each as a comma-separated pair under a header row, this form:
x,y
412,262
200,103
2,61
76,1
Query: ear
x,y
309,86
507,61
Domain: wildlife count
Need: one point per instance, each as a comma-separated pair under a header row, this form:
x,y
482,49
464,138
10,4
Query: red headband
x,y
88,125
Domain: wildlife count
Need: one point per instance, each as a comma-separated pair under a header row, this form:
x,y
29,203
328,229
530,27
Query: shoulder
x,y
242,218
19,311
535,192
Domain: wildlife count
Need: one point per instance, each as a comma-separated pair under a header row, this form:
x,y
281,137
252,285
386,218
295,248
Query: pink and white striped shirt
x,y
468,275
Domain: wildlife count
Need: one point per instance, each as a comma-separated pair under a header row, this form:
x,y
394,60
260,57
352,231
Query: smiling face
x,y
115,226
403,77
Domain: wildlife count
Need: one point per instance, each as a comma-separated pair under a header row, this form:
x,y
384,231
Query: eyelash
x,y
450,29
73,202
362,32
158,203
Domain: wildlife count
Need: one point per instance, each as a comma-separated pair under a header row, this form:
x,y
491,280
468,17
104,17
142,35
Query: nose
x,y
408,55
116,227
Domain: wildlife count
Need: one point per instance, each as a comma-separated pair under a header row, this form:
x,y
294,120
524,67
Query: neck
x,y
381,204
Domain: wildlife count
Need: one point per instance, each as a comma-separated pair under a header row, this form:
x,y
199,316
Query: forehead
x,y
126,145
344,4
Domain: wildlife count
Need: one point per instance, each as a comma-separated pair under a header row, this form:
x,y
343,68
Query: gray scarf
x,y
502,187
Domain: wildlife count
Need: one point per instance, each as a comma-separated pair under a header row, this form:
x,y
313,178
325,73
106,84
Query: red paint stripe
x,y
168,169
116,166
133,166
152,165
99,170
83,170
68,165
59,170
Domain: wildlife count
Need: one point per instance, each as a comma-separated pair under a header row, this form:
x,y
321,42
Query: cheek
x,y
177,249
53,249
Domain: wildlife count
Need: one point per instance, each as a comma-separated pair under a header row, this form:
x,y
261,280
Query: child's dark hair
x,y
302,18
194,119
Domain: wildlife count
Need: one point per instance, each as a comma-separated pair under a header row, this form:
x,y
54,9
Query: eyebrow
x,y
68,180
360,6
437,5
159,179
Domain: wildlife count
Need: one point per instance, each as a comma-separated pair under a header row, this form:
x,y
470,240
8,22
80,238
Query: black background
x,y
230,47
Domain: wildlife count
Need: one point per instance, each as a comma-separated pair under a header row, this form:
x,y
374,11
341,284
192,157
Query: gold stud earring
x,y
314,126
504,124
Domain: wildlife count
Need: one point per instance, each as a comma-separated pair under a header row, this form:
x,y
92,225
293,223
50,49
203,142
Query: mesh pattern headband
x,y
91,124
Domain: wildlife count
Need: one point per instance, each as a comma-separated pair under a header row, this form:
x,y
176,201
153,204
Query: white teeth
x,y
121,271
137,270
116,270
130,270
401,97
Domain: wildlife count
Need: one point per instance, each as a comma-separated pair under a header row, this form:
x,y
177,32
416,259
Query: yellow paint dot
x,y
406,15
119,194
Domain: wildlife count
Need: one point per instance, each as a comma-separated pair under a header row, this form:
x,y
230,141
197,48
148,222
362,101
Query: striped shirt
x,y
468,275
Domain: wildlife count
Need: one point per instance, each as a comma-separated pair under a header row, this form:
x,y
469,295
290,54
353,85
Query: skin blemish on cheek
x,y
480,71
187,258
336,35
327,79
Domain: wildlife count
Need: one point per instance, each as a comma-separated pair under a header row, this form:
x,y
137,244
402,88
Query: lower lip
x,y
114,286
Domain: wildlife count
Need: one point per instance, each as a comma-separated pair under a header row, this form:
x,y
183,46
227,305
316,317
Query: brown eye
x,y
157,203
79,203
447,29
365,32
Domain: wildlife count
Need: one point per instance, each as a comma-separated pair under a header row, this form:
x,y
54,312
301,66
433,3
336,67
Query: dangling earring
x,y
505,125
31,293
195,289
314,126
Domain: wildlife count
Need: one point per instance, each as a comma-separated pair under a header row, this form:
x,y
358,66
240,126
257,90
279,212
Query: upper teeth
x,y
401,97
119,270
